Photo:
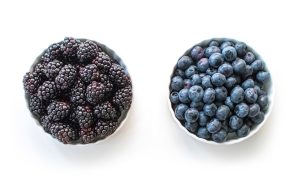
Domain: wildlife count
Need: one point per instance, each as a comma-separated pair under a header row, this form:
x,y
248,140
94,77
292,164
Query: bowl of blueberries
x,y
220,91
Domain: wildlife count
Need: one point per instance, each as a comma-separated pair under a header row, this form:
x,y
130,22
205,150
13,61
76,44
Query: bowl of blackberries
x,y
79,91
220,91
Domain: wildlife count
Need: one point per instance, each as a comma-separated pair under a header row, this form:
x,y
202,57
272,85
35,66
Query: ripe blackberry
x,y
87,51
53,52
58,110
118,76
63,132
87,135
89,73
77,95
66,77
123,98
103,62
84,115
31,82
104,79
106,111
105,128
46,123
95,92
47,91
69,48
52,69
39,68
36,106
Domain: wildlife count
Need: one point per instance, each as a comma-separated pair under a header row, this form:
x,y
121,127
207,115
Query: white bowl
x,y
254,130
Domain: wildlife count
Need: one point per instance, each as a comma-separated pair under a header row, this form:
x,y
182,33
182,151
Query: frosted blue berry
x,y
191,115
229,53
180,111
213,126
184,62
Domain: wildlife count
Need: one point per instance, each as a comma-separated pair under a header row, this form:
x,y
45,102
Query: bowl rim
x,y
271,96
124,116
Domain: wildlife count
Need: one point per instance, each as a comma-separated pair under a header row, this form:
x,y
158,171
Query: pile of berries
x,y
77,91
219,90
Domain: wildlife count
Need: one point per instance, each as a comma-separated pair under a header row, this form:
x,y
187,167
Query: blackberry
x,y
84,115
105,128
51,53
87,135
52,69
39,68
87,51
63,132
77,95
123,98
95,92
89,73
47,91
69,48
104,79
58,110
46,123
118,76
31,82
106,111
66,77
103,62
36,106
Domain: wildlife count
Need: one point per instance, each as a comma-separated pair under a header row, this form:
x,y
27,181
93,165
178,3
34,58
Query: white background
x,y
150,153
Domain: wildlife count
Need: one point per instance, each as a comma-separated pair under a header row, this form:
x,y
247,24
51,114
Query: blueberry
x,y
241,49
257,119
230,82
187,83
203,133
222,112
221,93
196,93
263,76
180,111
209,95
235,122
191,127
249,57
191,115
184,96
226,69
190,71
203,119
263,101
206,83
220,136
214,43
254,109
239,66
176,83
210,71
249,83
229,53
241,110
174,97
226,44
203,65
215,60
248,71
237,94
218,79
197,53
184,62
211,50
243,131
196,79
180,73
210,109
257,65
229,103
197,105
213,126
251,95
